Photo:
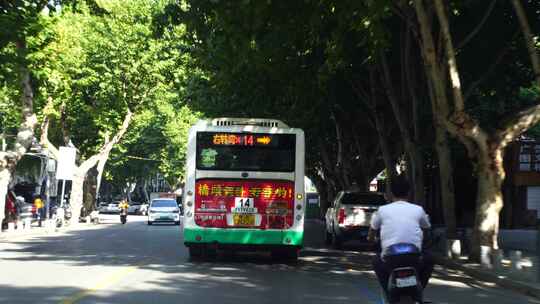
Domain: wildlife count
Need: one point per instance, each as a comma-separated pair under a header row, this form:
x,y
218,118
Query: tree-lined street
x,y
445,94
136,263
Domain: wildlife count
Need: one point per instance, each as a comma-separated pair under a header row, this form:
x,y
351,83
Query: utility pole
x,y
537,250
3,143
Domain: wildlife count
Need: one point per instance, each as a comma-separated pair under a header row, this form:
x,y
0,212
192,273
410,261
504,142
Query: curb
x,y
522,287
10,236
38,231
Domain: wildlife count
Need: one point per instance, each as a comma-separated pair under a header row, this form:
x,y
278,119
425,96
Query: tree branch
x,y
364,98
478,27
529,39
451,56
394,102
518,124
63,123
108,145
44,140
491,68
25,134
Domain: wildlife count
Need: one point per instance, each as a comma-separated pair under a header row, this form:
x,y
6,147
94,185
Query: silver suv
x,y
349,216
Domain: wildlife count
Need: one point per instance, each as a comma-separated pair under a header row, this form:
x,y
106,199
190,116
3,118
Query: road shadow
x,y
165,274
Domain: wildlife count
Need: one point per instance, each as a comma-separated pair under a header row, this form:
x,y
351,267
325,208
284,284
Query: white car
x,y
134,208
350,215
163,210
105,207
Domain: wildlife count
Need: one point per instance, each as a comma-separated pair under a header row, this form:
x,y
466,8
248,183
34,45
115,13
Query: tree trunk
x,y
389,162
100,168
414,155
487,149
77,188
76,196
341,167
489,203
329,168
90,185
444,157
417,171
446,178
77,184
25,134
145,190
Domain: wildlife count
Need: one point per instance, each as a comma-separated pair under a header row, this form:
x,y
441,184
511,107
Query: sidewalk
x,y
524,281
34,230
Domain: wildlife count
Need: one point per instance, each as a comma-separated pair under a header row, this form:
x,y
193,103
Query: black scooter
x,y
123,215
404,282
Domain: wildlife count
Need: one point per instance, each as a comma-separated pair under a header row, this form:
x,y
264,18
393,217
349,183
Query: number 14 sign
x,y
244,205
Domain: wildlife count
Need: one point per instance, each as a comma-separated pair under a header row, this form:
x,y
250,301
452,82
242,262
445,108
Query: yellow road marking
x,y
107,282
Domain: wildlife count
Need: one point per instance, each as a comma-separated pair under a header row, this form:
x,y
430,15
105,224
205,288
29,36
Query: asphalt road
x,y
136,263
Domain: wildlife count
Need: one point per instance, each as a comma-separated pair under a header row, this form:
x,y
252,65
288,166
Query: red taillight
x,y
404,273
276,222
211,220
341,215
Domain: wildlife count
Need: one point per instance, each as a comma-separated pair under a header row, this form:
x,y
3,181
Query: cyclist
x,y
123,206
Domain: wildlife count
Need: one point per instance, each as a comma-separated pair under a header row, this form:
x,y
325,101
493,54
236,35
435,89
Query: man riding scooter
x,y
123,206
400,225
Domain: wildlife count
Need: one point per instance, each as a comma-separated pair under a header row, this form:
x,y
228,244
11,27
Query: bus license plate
x,y
406,282
244,205
244,219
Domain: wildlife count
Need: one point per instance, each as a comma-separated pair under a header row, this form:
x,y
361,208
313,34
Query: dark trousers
x,y
424,267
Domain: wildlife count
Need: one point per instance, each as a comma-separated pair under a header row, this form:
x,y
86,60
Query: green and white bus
x,y
244,187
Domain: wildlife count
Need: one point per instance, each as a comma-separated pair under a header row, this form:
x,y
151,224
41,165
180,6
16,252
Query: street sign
x,y
66,163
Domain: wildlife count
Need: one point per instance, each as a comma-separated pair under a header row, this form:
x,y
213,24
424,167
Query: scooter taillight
x,y
404,273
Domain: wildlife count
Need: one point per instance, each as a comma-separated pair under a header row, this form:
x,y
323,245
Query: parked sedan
x,y
163,210
109,207
350,215
134,208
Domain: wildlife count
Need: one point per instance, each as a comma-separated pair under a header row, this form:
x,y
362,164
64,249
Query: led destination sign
x,y
228,139
246,151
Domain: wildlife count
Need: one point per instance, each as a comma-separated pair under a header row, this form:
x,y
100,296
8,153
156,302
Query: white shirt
x,y
400,222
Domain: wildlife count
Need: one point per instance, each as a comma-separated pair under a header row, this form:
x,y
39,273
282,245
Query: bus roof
x,y
258,122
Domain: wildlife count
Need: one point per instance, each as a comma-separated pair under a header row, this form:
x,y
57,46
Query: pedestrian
x,y
38,204
10,209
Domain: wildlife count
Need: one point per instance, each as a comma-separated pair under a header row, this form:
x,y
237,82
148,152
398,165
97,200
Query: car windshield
x,y
362,198
164,203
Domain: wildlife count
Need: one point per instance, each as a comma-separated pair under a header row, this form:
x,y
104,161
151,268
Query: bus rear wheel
x,y
286,254
195,251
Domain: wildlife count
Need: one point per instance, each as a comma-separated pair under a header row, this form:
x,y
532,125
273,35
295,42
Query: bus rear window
x,y
245,151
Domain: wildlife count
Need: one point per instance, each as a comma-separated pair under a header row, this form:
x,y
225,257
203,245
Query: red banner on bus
x,y
244,204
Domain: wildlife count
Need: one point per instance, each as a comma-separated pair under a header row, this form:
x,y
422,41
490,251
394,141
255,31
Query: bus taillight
x,y
210,220
276,222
